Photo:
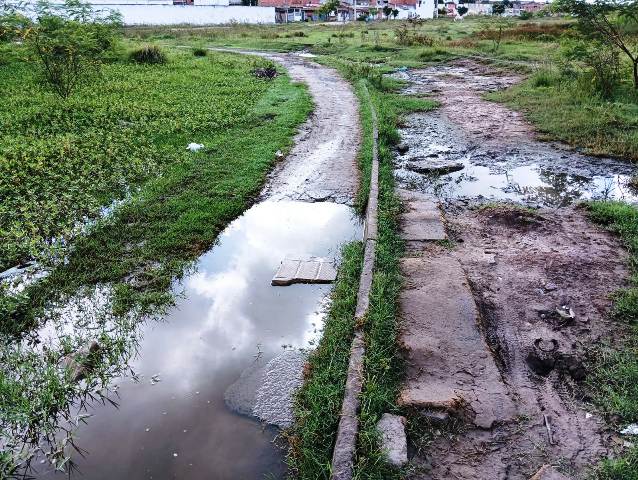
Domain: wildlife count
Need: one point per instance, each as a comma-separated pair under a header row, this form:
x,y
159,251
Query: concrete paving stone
x,y
304,270
449,364
421,219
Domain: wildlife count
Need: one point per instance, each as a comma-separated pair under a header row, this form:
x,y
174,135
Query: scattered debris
x,y
548,427
630,429
393,440
279,154
195,147
304,270
267,73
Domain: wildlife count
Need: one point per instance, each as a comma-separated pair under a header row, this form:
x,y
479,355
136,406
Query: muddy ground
x,y
540,279
528,273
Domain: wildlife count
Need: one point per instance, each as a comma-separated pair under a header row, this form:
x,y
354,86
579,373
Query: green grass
x,y
615,368
318,403
185,198
125,133
561,110
565,111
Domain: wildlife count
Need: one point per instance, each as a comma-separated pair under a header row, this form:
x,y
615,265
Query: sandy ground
x,y
497,324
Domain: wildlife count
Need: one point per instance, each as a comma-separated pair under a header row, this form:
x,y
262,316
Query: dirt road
x,y
498,322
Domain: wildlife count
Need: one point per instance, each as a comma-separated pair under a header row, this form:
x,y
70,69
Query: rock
x,y
81,362
402,148
240,396
542,357
630,429
282,378
434,167
547,472
393,441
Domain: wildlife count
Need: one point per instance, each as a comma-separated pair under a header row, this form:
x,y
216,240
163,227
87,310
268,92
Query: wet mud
x,y
471,148
540,281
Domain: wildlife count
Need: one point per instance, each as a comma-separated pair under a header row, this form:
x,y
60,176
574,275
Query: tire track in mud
x,y
539,283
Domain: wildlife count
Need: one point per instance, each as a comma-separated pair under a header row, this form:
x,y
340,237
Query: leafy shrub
x,y
200,52
408,38
298,34
597,66
269,35
526,15
149,54
71,51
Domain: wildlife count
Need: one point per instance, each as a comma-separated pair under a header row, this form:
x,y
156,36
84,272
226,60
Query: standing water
x,y
173,422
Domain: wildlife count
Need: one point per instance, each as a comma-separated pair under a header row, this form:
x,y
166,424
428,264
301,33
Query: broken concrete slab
x,y
282,378
548,472
434,167
304,270
393,440
450,366
421,219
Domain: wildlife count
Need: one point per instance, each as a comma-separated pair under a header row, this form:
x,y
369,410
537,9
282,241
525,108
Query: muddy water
x,y
173,422
492,149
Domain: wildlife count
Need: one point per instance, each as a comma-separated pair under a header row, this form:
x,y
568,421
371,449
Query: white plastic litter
x,y
630,429
194,147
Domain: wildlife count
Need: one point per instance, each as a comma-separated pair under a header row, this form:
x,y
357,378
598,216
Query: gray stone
x,y
434,167
240,396
304,270
393,440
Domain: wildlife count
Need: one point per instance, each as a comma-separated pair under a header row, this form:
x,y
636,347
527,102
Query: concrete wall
x,y
191,14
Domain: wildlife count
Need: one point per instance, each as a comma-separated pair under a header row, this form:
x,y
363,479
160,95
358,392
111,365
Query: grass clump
x,y
148,55
614,381
200,52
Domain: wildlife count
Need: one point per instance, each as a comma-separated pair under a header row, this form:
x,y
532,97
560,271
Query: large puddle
x,y
173,421
474,149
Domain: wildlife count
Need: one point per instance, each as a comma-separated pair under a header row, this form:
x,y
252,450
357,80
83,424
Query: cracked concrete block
x,y
304,270
393,439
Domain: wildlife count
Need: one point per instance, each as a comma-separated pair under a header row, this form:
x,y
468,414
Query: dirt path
x,y
322,164
497,323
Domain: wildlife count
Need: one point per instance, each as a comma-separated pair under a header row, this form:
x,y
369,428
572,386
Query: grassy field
x,y
559,105
123,137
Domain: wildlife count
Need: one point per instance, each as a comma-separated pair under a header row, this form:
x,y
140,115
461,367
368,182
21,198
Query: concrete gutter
x,y
346,443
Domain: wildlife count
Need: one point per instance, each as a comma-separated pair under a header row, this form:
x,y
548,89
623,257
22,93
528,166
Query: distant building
x,y
348,10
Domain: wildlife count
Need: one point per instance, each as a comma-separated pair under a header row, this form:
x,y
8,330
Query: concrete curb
x,y
346,443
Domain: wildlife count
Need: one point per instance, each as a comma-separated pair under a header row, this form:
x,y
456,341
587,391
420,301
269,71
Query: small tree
x,y
328,7
395,13
71,48
462,10
612,22
387,11
498,9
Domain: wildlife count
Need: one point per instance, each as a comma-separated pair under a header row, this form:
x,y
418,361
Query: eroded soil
x,y
539,280
526,272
